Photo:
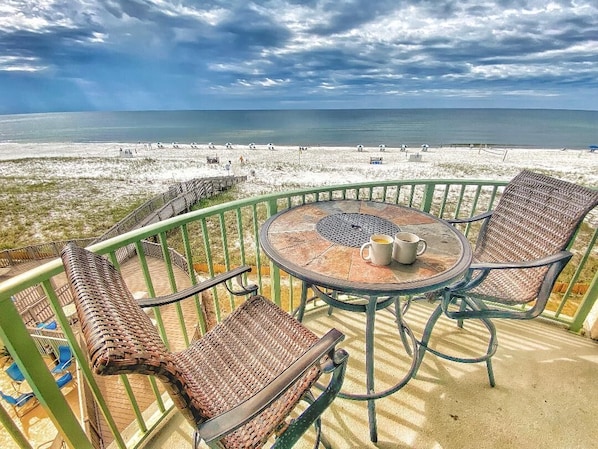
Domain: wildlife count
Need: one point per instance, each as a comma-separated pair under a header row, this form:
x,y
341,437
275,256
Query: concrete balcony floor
x,y
544,397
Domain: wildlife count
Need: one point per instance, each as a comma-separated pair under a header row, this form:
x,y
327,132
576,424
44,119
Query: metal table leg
x,y
369,364
303,303
409,341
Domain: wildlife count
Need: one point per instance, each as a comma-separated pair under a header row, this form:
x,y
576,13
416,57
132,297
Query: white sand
x,y
153,169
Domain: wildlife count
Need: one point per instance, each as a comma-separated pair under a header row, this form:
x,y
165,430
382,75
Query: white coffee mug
x,y
407,246
379,249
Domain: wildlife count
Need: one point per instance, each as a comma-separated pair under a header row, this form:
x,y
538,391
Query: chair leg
x,y
487,357
462,307
312,413
490,372
309,398
196,439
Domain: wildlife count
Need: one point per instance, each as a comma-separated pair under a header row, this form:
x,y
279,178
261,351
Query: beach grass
x,y
41,210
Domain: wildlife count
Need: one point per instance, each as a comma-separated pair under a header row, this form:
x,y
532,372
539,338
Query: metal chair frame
x,y
530,194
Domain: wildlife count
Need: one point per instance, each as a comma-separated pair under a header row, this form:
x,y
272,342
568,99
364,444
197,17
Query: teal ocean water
x,y
413,127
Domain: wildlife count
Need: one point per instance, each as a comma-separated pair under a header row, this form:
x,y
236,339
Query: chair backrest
x,y
536,216
14,372
120,337
64,354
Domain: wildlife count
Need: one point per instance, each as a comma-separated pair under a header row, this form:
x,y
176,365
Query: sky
x,y
87,55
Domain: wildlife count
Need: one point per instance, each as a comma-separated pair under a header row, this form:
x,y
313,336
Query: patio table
x,y
319,244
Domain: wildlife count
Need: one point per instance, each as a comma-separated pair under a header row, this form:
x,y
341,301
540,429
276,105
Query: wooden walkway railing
x,y
178,199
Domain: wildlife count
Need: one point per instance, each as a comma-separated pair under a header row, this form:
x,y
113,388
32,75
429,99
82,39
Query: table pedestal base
x,y
370,307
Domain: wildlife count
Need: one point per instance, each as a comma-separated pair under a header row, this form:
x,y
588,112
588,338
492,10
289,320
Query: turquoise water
x,y
499,127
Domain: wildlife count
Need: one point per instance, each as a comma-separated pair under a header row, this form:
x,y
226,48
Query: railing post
x,y
272,207
586,305
21,346
428,197
13,430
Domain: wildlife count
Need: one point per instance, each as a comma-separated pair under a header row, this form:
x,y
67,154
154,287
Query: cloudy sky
x,y
73,55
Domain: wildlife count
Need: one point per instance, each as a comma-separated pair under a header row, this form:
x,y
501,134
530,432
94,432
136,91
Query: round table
x,y
319,244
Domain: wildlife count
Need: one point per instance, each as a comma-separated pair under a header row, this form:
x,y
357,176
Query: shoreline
x,y
204,145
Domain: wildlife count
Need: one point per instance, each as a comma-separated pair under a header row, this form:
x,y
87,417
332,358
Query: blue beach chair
x,y
22,403
64,379
65,358
52,325
15,374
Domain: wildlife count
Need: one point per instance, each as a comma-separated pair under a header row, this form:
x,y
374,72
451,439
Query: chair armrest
x,y
548,260
477,272
479,217
202,286
555,263
219,426
62,366
24,398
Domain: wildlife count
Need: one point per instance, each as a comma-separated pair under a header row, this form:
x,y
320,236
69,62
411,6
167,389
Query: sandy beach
x,y
285,166
150,169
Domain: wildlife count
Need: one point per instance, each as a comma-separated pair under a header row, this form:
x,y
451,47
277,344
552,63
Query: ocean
x,y
392,127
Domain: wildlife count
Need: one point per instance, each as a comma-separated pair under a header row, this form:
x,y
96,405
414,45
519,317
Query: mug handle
x,y
363,248
423,248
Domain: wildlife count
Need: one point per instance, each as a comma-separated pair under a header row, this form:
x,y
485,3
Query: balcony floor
x,y
546,379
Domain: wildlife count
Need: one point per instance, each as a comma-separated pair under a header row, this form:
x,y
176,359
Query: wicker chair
x,y
238,383
520,251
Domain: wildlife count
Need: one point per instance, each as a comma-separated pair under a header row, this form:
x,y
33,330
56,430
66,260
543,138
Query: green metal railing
x,y
222,237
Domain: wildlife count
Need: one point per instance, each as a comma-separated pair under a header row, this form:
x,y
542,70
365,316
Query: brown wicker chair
x,y
237,384
519,253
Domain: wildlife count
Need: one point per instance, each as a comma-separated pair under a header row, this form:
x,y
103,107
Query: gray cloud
x,y
133,54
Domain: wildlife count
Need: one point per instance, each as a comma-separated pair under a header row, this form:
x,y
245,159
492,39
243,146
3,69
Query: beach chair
x,y
21,404
15,374
520,251
50,325
65,359
238,383
64,380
